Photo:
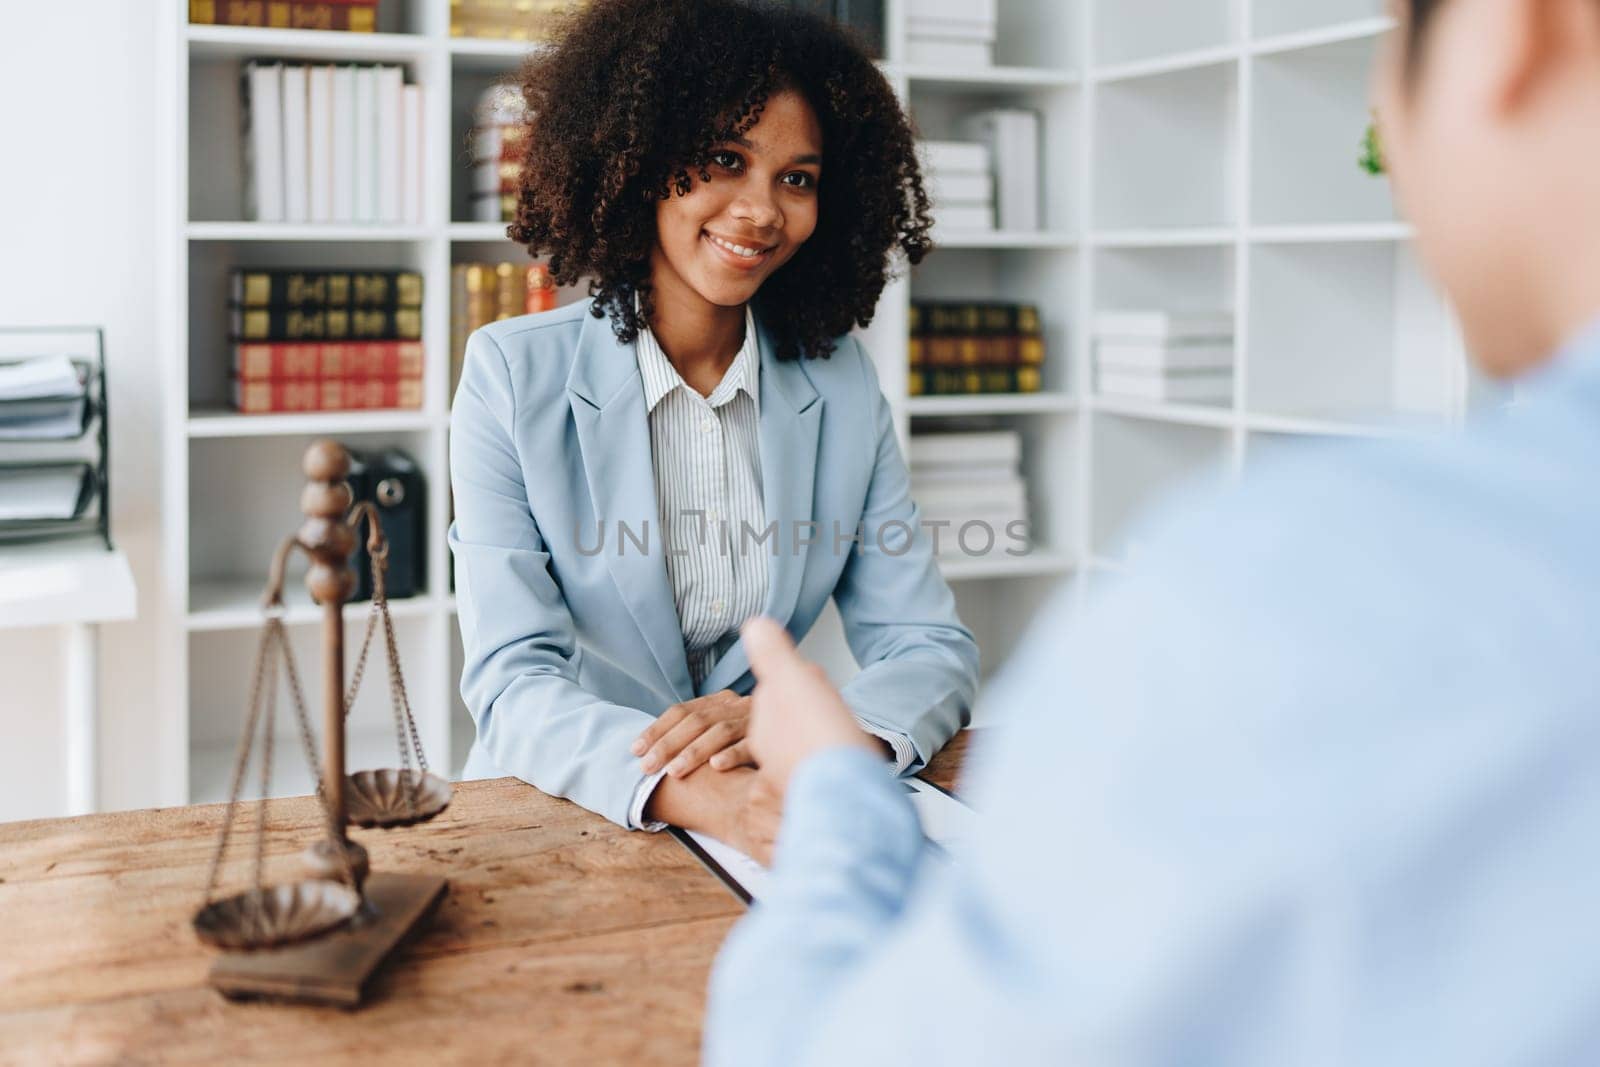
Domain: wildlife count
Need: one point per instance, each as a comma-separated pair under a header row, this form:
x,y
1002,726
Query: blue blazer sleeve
x,y
519,678
919,673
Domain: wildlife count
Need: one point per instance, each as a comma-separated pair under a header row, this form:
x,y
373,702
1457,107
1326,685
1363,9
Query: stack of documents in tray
x,y
42,399
970,492
1165,356
36,493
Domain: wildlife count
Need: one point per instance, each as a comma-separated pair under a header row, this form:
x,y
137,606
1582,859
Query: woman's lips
x,y
734,259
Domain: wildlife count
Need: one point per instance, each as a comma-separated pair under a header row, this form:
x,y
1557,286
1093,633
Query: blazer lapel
x,y
614,437
790,427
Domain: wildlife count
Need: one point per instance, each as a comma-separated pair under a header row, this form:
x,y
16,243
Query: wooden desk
x,y
563,939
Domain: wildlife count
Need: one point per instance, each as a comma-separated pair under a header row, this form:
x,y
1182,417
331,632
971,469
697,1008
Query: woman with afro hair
x,y
702,440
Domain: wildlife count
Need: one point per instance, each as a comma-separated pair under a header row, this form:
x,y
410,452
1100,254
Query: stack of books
x,y
509,20
1012,137
481,293
959,177
497,151
326,340
358,16
963,349
950,33
971,481
332,144
1165,356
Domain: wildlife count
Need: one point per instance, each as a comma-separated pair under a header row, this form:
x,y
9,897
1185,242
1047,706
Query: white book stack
x,y
1012,135
332,144
950,33
959,178
969,492
1165,356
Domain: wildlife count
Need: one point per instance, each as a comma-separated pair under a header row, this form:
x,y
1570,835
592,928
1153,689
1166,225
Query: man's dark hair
x,y
627,104
1422,12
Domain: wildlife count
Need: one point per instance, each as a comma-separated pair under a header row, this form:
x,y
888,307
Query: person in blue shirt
x,y
1319,781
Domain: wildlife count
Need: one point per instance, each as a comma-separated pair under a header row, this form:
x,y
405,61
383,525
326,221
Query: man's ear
x,y
1538,39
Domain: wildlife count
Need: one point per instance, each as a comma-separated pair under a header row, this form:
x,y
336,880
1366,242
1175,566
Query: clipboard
x,y
947,826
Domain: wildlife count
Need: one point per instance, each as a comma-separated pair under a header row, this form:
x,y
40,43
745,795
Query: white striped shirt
x,y
707,457
706,453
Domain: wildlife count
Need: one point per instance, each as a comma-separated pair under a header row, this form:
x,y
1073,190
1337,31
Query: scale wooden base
x,y
334,968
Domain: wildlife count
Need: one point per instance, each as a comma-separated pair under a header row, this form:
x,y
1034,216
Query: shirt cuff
x,y
641,797
904,754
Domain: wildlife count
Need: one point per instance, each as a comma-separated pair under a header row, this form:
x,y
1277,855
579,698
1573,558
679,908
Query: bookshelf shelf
x,y
225,423
1179,414
1358,30
1005,79
1331,232
1003,239
1039,563
1216,56
244,42
1195,154
489,56
309,231
990,404
235,604
1166,237
478,231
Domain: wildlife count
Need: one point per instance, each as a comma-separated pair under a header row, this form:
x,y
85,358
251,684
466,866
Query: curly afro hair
x,y
628,103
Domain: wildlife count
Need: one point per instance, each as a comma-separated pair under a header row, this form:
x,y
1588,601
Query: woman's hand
x,y
687,735
737,807
795,709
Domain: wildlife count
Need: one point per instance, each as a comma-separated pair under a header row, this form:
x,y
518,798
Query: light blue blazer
x,y
572,642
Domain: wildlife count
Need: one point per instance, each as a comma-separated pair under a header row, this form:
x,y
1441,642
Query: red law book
x,y
347,360
256,398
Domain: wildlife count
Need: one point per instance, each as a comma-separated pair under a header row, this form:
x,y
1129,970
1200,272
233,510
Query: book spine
x,y
390,154
344,157
540,291
381,289
325,324
352,361
353,18
412,153
267,14
257,398
366,144
264,141
296,174
319,128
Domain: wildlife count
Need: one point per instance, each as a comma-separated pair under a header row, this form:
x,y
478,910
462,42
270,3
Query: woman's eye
x,y
805,181
725,159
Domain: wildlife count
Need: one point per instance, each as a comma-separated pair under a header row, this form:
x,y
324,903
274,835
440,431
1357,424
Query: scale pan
x,y
275,915
379,798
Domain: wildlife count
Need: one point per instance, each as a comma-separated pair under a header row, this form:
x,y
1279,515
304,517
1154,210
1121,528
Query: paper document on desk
x,y
947,824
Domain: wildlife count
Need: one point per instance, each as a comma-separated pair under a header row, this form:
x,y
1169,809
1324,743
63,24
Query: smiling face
x,y
725,237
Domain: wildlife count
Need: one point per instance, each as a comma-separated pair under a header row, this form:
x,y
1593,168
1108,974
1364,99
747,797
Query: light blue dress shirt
x,y
1319,784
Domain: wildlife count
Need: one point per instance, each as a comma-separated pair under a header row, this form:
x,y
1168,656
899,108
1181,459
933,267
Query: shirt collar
x,y
660,377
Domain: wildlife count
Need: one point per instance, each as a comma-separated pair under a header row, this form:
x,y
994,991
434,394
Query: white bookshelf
x,y
1196,153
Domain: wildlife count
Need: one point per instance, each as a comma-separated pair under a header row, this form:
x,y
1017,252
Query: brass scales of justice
x,y
320,938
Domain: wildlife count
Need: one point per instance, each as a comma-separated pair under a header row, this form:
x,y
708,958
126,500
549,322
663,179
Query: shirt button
x,y
712,516
706,425
718,606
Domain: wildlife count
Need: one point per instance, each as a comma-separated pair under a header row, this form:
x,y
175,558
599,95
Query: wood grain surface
x,y
563,939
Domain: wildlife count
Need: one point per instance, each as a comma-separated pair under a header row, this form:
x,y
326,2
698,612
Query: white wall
x,y
78,236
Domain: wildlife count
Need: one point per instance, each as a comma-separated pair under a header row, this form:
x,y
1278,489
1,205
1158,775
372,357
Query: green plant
x,y
1371,158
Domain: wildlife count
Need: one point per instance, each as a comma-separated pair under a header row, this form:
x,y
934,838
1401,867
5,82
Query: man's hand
x,y
686,735
795,710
